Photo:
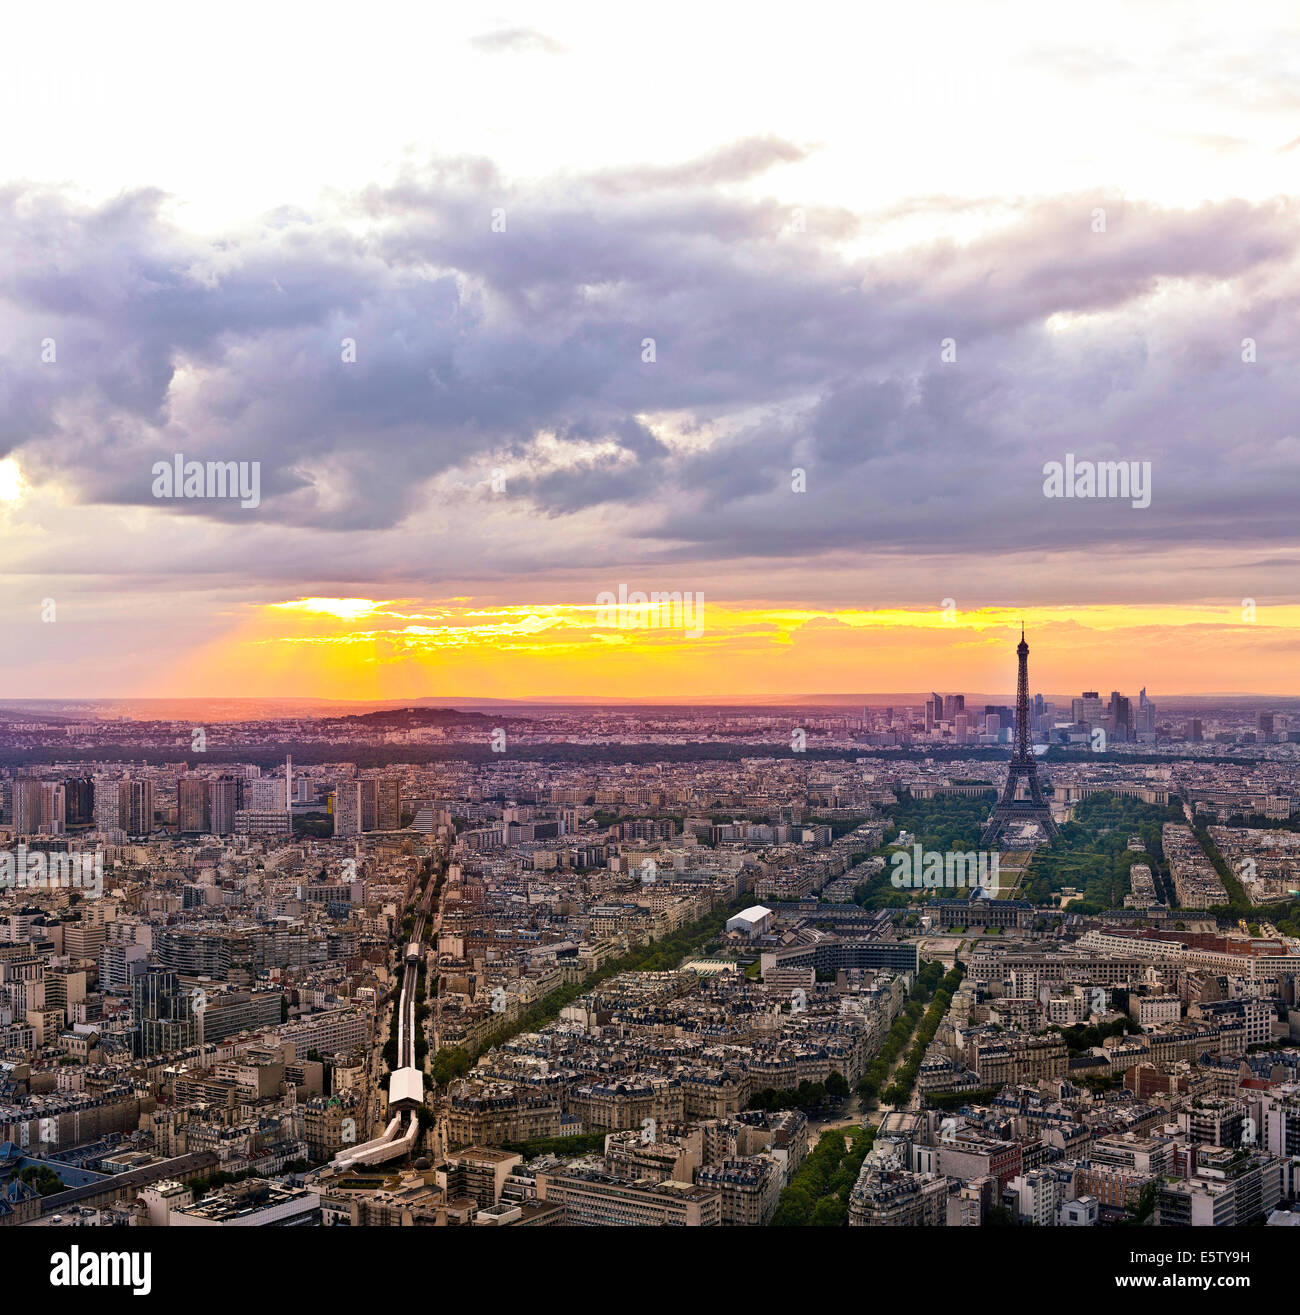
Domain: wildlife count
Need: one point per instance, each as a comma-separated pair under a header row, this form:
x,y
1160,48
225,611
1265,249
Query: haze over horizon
x,y
220,708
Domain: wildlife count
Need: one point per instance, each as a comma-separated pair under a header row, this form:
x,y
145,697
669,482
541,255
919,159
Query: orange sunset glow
x,y
384,417
362,648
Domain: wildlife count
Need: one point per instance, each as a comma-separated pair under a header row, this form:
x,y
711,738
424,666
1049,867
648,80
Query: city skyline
x,y
678,616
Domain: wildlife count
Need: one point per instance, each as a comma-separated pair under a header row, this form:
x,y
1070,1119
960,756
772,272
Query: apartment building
x,y
1230,1188
750,1188
488,1114
895,1198
593,1199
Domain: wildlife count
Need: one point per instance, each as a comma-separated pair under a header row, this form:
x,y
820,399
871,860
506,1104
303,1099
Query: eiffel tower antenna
x,y
1023,766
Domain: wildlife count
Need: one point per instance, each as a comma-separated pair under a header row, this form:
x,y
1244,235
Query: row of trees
x,y
1239,904
877,1072
899,1091
1284,914
658,956
818,1195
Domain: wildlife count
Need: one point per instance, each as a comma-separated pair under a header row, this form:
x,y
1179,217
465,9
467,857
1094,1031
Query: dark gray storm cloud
x,y
486,313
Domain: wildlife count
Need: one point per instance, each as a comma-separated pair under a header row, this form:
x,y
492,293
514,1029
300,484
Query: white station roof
x,y
405,1084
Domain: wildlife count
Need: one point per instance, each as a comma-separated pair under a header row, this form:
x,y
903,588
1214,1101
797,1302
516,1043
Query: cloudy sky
x,y
517,306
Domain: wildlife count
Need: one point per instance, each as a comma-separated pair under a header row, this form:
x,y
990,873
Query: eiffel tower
x,y
1024,766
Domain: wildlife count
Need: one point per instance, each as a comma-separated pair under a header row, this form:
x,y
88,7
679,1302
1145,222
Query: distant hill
x,y
408,719
31,714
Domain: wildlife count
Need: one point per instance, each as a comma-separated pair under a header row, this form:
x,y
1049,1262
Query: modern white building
x,y
752,921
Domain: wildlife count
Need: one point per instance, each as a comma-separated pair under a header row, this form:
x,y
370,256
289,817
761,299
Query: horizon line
x,y
850,698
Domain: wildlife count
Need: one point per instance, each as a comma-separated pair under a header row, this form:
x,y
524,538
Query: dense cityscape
x,y
580,985
648,618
